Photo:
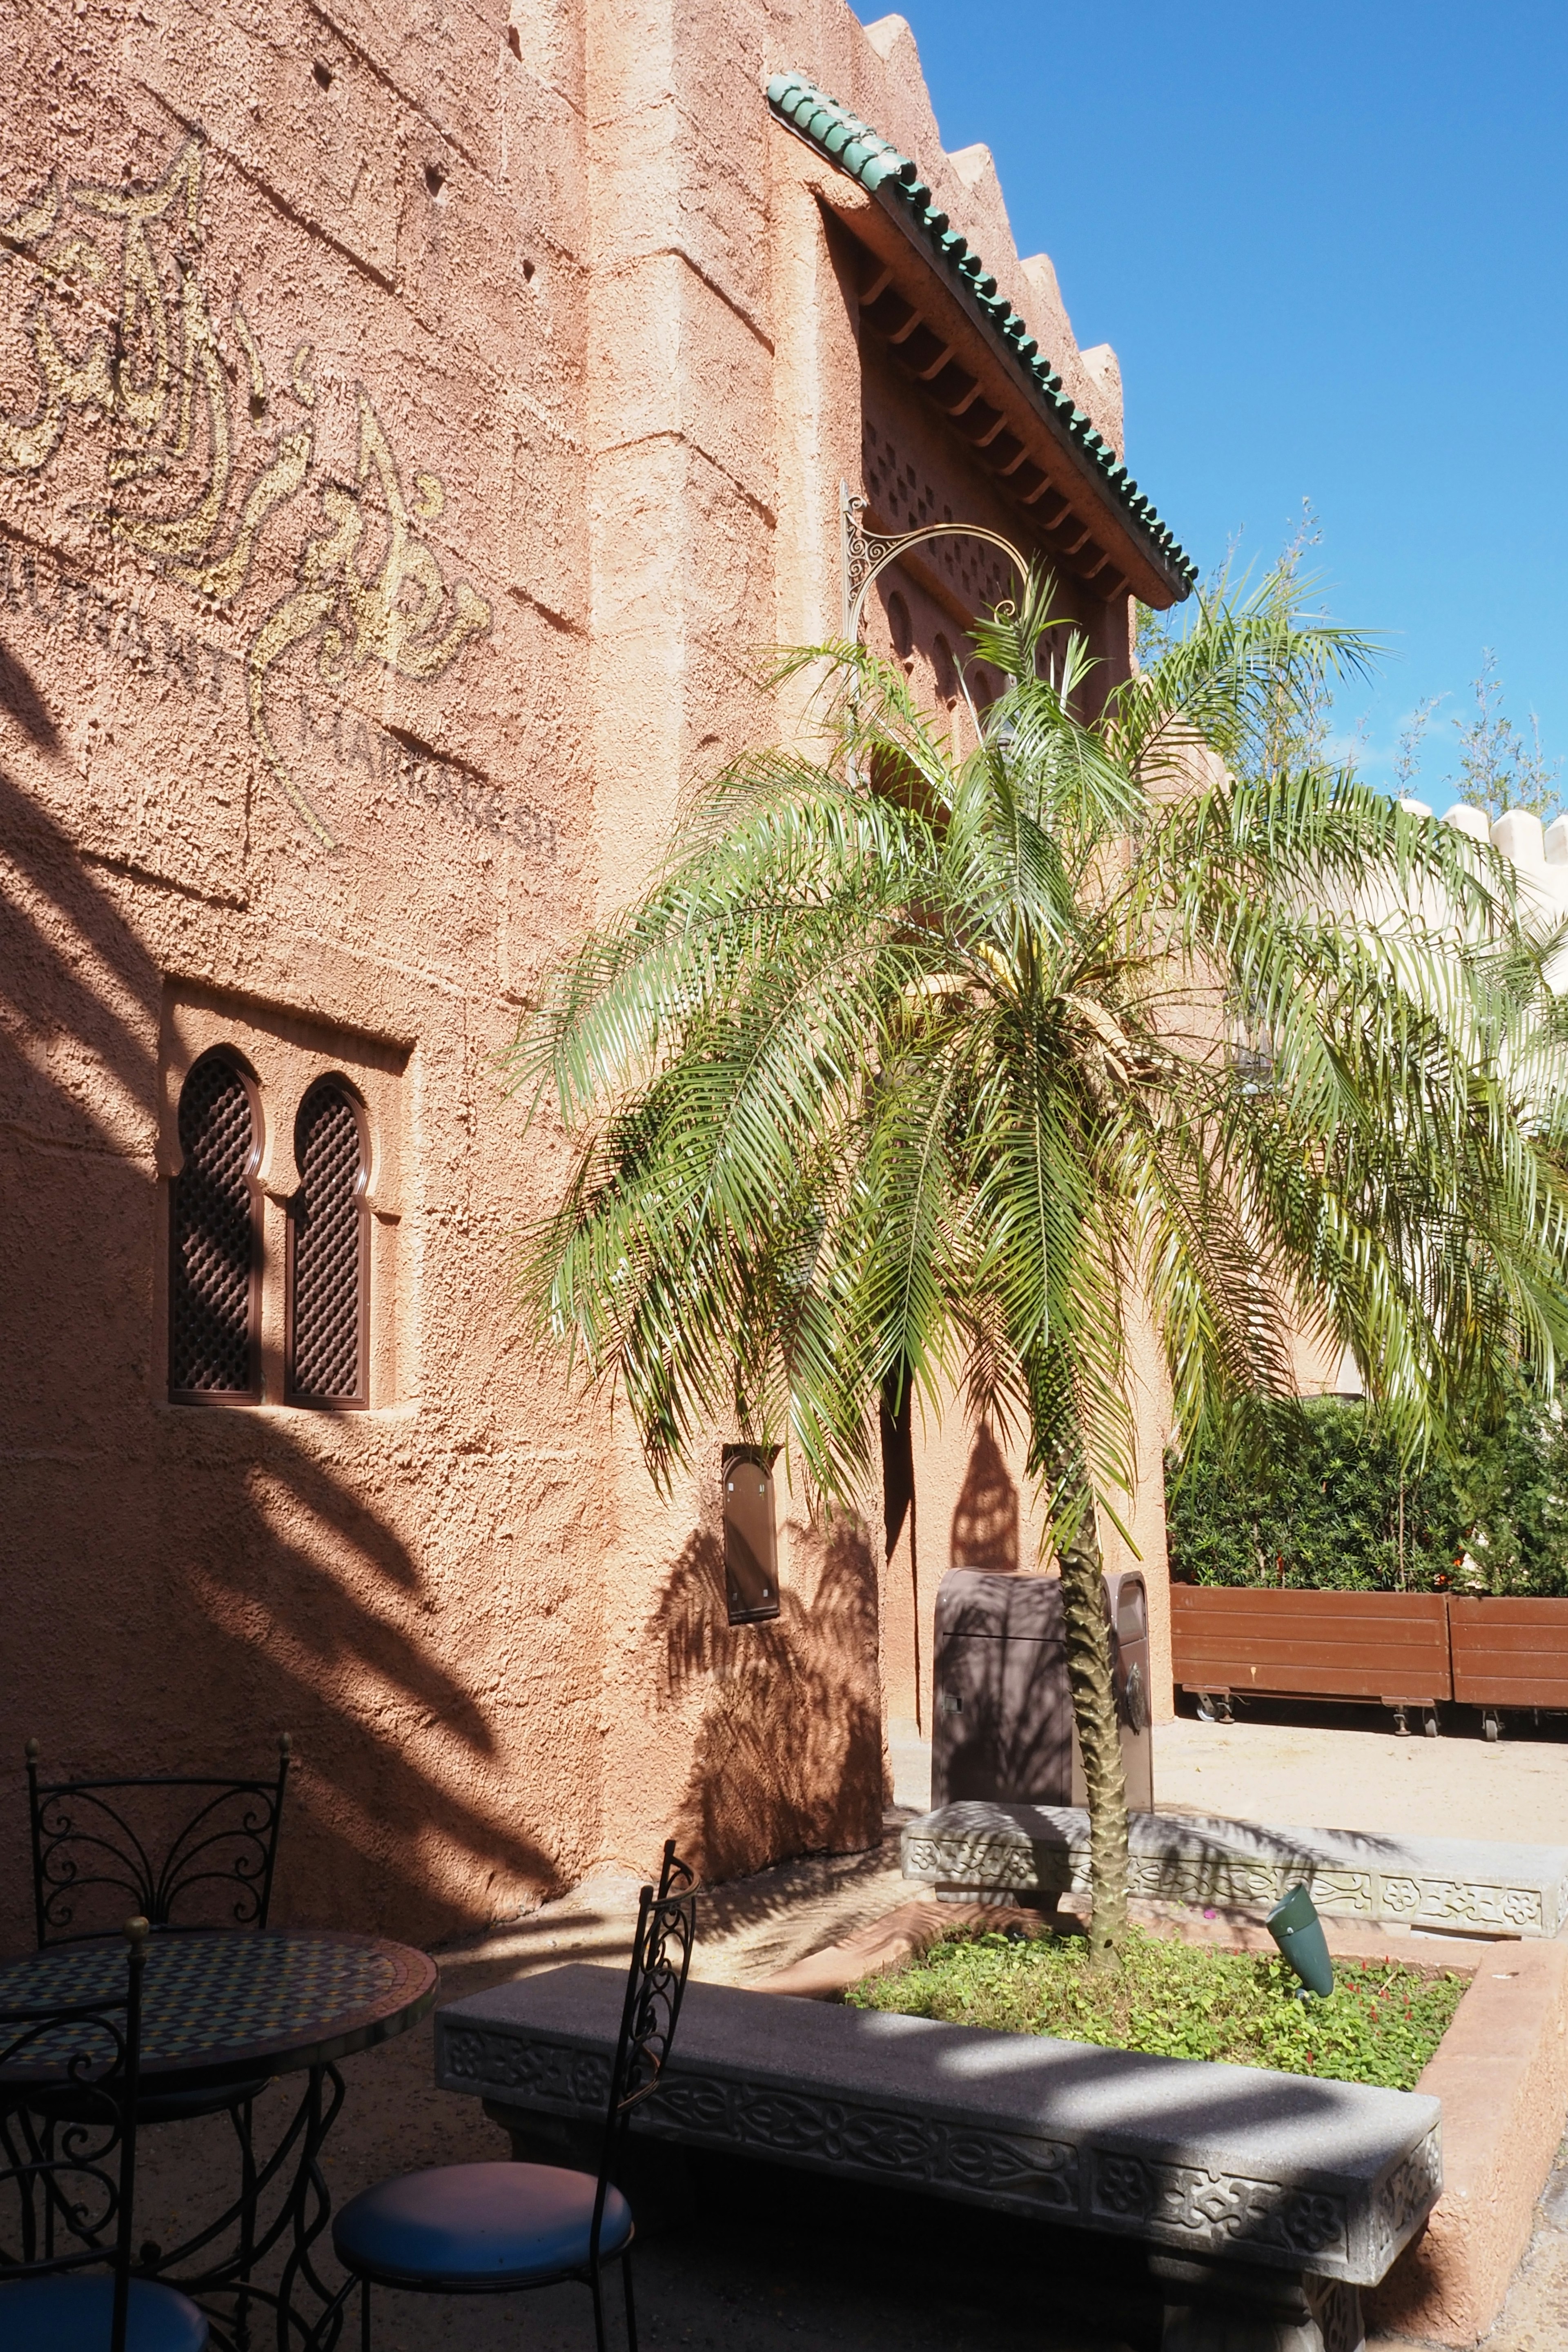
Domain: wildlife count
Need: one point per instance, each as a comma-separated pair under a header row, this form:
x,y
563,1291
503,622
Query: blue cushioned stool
x,y
480,2225
68,2077
75,2312
493,2229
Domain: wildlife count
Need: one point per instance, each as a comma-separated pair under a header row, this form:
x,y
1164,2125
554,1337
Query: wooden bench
x,y
1388,1648
1508,1654
1243,2183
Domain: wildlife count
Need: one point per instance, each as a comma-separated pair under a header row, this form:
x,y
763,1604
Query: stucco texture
x,y
410,422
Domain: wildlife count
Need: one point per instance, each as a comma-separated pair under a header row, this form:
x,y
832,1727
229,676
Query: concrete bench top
x,y
1228,2162
1445,1882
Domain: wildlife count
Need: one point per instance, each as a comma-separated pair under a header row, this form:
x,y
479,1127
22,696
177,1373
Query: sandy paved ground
x,y
748,1929
1320,1777
1344,1775
1535,2316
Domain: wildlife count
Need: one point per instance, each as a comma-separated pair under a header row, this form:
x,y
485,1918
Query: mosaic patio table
x,y
228,2013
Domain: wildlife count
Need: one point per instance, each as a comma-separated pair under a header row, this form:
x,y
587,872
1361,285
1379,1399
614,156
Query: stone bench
x,y
1238,2179
1449,1884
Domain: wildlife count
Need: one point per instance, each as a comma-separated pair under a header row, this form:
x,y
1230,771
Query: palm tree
x,y
913,1074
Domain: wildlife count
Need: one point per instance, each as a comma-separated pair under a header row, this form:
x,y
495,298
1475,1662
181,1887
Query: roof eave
x,y
897,224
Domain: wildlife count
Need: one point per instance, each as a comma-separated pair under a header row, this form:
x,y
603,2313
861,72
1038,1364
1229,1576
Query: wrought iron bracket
x,y
866,554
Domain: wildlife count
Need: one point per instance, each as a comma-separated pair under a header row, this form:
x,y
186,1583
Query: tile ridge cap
x,y
855,148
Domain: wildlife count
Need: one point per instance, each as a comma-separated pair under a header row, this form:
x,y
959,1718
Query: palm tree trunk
x,y
1094,1709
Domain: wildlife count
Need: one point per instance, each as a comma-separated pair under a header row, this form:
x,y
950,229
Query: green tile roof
x,y
865,156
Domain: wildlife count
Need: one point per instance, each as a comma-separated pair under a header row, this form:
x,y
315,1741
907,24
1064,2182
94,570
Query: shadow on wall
x,y
224,1629
182,1585
787,1758
985,1517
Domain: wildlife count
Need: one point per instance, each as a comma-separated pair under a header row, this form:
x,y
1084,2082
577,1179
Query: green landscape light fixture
x,y
1297,1929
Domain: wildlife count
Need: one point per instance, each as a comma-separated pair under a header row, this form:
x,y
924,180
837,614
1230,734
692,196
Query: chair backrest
x,y
67,2135
98,1844
656,1986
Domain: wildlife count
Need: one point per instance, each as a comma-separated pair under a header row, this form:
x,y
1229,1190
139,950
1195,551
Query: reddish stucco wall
x,y
338,690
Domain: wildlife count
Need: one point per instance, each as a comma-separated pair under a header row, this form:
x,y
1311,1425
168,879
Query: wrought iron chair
x,y
94,1845
89,1850
67,2177
496,2229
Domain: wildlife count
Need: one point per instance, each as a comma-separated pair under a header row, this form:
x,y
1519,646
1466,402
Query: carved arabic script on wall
x,y
179,494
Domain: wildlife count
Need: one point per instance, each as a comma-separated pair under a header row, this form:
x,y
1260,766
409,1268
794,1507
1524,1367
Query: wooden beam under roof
x,y
921,320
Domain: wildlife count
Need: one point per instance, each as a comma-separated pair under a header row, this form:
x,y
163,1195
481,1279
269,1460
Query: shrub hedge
x,y
1327,1511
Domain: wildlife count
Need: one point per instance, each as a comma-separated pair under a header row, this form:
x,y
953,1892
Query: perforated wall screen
x,y
212,1258
328,1254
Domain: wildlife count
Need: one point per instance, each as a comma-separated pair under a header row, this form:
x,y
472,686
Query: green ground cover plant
x,y
1380,2024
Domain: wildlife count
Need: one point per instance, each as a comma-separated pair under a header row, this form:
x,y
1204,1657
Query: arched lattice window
x,y
329,1253
214,1234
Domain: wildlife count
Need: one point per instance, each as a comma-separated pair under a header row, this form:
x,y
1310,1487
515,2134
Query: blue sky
x,y
1329,246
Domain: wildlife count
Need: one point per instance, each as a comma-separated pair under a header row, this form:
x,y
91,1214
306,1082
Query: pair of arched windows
x,y
214,1246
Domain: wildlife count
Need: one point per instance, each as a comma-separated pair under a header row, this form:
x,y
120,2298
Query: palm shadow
x,y
787,1758
187,1585
985,1516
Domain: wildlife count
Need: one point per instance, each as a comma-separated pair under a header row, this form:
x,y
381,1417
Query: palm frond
x,y
922,1071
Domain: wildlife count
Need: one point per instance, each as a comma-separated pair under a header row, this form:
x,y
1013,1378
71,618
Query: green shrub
x,y
1380,2024
1326,1512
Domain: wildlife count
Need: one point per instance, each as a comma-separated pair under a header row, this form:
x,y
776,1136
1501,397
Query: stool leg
x,y
631,2306
598,2309
364,2315
241,2117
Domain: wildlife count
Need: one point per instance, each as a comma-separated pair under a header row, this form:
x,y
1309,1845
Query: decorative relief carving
x,y
1122,2186
1351,1891
981,1861
1336,2307
982,1858
1219,2209
122,265
1048,2169
1275,2221
1480,1905
1206,1879
551,2074
699,2106
1407,2194
871,2140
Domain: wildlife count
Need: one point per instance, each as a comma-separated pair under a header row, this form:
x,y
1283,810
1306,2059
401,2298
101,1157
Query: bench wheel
x,y
1431,1724
1491,1724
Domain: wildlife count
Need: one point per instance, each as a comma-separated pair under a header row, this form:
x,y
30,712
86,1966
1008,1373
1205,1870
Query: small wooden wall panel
x,y
1376,1646
1509,1653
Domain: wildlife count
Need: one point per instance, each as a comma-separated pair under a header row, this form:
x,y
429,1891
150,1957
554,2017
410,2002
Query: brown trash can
x,y
1002,1728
